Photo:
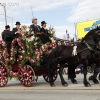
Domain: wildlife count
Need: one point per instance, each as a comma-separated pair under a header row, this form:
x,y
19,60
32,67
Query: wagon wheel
x,y
46,77
26,75
3,75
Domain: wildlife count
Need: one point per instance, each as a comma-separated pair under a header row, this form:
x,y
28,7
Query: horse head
x,y
92,36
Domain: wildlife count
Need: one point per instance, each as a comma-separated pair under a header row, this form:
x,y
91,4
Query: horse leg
x,y
95,75
50,72
71,74
63,82
85,82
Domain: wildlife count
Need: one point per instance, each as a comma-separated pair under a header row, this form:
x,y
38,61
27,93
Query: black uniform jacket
x,y
8,36
44,36
35,28
15,30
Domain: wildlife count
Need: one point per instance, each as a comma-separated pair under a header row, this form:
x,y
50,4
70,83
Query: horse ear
x,y
97,27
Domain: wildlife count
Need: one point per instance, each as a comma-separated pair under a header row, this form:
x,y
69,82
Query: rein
x,y
88,47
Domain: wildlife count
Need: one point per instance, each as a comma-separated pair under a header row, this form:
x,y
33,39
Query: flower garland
x,y
0,46
51,31
34,54
23,56
45,48
13,74
26,31
9,54
38,54
33,44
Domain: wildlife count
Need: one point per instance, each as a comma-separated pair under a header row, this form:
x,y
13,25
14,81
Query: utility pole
x,y
10,18
4,7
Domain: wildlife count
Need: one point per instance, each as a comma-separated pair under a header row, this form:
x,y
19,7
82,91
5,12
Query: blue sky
x,y
62,14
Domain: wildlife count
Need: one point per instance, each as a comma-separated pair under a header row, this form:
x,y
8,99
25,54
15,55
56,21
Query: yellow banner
x,y
84,27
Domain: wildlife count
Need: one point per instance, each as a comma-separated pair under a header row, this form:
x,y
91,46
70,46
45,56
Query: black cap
x,y
17,23
43,22
7,26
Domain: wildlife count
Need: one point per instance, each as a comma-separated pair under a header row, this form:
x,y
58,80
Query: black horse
x,y
97,64
94,65
85,55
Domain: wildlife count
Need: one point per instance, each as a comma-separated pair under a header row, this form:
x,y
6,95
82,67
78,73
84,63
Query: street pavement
x,y
42,85
42,90
50,95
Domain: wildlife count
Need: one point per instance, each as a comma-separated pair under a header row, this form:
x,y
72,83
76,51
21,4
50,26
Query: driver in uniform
x,y
8,35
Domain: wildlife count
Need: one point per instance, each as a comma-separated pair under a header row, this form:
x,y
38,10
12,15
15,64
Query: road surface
x,y
42,91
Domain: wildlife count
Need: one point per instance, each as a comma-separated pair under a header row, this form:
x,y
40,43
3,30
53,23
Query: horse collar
x,y
88,46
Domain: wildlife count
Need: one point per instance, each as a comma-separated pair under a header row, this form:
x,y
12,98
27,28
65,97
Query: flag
x,y
67,35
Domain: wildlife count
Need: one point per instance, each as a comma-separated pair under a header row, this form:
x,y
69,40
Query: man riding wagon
x,y
42,33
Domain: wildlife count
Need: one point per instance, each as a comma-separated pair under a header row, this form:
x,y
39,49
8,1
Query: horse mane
x,y
90,33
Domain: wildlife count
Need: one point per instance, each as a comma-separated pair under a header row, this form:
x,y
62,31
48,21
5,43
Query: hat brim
x,y
43,23
6,27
